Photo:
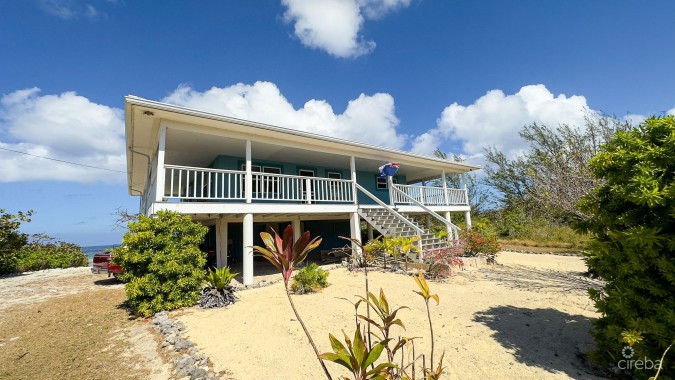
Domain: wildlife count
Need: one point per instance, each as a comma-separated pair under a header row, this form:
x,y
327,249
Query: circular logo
x,y
628,352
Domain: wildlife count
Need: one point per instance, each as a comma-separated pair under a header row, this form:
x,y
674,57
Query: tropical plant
x,y
219,278
311,278
632,223
163,266
387,319
357,357
426,294
389,245
406,245
285,254
442,260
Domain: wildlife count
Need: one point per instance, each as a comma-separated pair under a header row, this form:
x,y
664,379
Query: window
x,y
334,175
382,182
269,184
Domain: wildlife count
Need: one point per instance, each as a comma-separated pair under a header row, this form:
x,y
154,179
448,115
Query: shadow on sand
x,y
544,338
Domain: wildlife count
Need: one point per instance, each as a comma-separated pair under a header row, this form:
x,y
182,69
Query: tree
x,y
163,266
11,240
479,197
632,223
553,174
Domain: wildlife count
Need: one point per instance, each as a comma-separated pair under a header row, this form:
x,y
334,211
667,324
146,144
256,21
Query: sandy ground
x,y
526,318
68,324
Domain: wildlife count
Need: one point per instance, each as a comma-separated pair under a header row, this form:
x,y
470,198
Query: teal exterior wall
x,y
366,179
234,163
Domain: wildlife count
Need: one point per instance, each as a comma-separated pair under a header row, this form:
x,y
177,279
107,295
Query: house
x,y
240,178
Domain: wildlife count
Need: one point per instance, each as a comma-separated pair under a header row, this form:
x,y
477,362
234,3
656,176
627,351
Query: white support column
x,y
352,166
355,228
249,174
248,251
221,243
390,186
370,231
466,192
445,188
297,231
467,217
451,235
159,183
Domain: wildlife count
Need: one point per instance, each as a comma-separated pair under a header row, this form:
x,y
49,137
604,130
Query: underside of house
x,y
241,178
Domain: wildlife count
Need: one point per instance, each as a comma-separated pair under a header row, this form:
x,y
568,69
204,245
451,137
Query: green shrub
x,y
38,256
219,278
632,224
11,240
309,279
163,266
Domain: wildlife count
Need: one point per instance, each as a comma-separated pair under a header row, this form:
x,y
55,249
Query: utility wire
x,y
65,162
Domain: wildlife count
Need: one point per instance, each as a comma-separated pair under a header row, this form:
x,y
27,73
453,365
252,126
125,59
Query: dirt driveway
x,y
68,324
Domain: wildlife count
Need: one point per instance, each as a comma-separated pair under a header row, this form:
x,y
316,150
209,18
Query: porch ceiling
x,y
198,149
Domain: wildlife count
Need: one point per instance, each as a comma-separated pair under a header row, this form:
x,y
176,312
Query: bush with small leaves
x,y
311,278
632,226
163,266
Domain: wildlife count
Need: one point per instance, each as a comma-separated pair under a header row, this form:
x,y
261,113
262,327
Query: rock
x,y
180,325
182,345
171,339
185,361
198,373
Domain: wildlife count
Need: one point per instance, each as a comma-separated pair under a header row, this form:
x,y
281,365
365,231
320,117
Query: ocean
x,y
90,250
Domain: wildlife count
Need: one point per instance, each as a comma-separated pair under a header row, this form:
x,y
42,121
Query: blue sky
x,y
418,74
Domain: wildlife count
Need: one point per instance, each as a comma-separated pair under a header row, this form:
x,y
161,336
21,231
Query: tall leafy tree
x,y
632,222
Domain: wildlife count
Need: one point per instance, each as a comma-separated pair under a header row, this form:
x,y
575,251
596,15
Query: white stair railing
x,y
431,212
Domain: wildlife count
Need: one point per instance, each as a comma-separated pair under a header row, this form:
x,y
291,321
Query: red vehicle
x,y
102,262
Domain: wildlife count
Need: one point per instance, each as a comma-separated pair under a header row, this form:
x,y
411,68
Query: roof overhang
x,y
144,117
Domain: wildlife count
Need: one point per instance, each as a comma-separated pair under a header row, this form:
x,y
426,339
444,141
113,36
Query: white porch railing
x,y
429,195
191,183
184,182
283,187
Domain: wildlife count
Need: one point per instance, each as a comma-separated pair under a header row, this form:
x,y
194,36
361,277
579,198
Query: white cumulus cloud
x,y
368,118
335,25
495,119
65,127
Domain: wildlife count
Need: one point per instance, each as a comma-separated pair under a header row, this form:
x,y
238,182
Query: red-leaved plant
x,y
285,254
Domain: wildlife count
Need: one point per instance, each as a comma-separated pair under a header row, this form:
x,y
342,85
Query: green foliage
x,y
632,224
357,357
11,240
311,278
219,278
363,352
163,266
38,255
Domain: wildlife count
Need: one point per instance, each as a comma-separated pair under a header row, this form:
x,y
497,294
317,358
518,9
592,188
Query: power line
x,y
65,162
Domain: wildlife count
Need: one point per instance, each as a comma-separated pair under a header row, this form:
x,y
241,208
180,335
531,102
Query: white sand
x,y
526,318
